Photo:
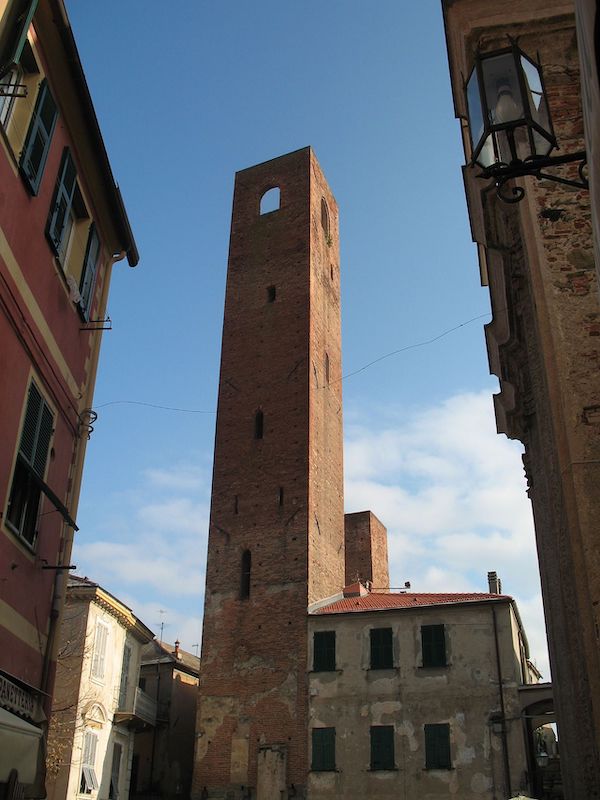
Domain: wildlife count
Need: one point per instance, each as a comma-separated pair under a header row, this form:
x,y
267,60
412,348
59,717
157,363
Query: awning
x,y
19,747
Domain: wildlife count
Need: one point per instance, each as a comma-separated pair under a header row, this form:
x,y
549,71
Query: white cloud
x,y
147,546
453,497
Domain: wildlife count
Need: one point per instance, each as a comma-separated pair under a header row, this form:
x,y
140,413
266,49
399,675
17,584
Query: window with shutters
x,y
382,747
15,20
433,644
38,139
99,653
437,746
88,272
382,651
115,772
324,651
124,678
323,750
88,782
30,467
67,211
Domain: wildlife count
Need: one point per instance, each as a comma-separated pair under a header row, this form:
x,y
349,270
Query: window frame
x,y
381,652
37,125
324,654
322,757
433,648
438,754
383,751
88,781
63,212
37,431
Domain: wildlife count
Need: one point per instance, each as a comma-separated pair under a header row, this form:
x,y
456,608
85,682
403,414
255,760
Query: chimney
x,y
177,643
494,583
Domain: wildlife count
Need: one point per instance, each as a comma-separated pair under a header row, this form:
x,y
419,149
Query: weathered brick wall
x,y
543,345
366,550
276,496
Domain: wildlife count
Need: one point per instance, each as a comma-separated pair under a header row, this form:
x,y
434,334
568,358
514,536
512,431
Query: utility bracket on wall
x,y
98,325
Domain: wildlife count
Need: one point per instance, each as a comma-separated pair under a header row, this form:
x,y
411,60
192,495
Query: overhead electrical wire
x,y
414,346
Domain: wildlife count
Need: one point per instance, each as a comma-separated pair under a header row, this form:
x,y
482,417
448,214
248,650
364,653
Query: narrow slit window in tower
x,y
259,424
270,201
327,368
325,218
246,570
271,294
236,504
281,495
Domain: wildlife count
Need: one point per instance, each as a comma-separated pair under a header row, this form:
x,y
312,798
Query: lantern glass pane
x,y
538,105
541,144
502,92
474,109
486,155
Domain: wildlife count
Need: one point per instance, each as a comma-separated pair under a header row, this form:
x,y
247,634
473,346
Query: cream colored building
x,y
98,705
417,696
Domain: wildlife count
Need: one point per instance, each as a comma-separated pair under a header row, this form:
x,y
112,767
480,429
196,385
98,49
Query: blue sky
x,y
188,93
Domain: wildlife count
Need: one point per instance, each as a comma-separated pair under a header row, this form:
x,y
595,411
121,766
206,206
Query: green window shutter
x,y
37,431
433,641
324,651
382,747
88,273
14,25
39,136
437,746
382,651
62,201
323,749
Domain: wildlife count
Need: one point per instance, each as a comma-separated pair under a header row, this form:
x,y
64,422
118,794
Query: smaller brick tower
x,y
276,538
366,550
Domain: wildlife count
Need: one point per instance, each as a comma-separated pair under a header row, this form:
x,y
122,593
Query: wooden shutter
x,y
323,749
88,273
382,747
15,19
62,202
382,652
437,746
37,431
433,641
124,677
324,651
39,136
99,650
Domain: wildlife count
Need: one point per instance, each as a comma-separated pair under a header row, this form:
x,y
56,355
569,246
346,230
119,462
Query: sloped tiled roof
x,y
165,652
385,601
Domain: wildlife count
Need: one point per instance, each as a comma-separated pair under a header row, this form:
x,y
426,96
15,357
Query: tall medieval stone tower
x,y
276,539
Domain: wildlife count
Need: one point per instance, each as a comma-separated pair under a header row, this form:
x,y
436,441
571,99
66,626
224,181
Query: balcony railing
x,y
143,712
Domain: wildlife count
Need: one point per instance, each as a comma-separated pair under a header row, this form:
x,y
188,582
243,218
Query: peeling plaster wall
x,y
463,694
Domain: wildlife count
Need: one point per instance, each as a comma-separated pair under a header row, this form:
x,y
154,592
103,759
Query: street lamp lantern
x,y
509,121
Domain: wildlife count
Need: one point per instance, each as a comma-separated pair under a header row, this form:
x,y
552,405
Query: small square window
x,y
324,651
433,642
382,651
437,746
382,747
323,750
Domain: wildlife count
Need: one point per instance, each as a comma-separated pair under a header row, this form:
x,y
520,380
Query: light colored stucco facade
x,y
97,704
486,664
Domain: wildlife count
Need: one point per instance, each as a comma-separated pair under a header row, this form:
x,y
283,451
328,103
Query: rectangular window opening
x,y
437,746
382,747
32,458
271,294
433,641
323,750
382,651
324,651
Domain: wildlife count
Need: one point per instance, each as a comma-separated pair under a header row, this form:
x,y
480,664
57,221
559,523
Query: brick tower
x,y
276,539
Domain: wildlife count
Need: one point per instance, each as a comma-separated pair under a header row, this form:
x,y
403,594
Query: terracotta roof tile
x,y
385,601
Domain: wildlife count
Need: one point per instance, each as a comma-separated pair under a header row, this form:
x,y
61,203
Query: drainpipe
x,y
503,736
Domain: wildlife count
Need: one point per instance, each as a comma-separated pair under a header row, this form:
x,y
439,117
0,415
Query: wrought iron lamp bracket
x,y
501,173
